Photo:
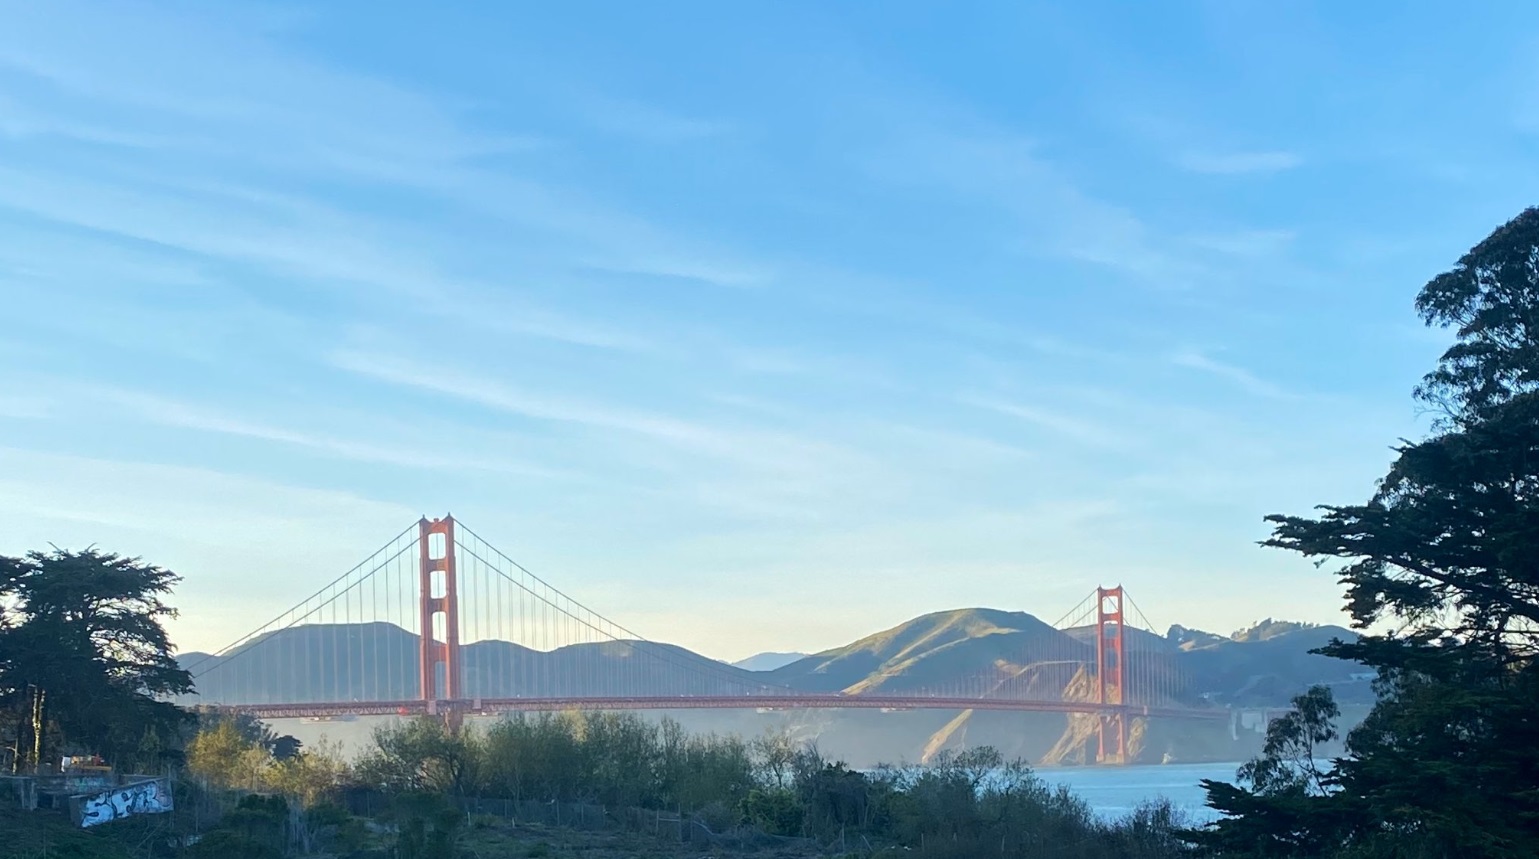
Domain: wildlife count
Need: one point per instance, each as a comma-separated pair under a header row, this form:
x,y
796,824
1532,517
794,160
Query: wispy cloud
x,y
1238,163
642,121
265,250
232,84
947,444
25,408
492,394
232,101
1054,216
324,248
1245,243
1073,427
765,450
683,267
182,415
244,545
292,237
204,504
1239,376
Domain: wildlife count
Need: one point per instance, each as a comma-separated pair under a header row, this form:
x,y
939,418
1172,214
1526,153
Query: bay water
x,y
1116,791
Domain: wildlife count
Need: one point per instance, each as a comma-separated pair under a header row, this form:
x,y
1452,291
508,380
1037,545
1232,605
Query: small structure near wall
x,y
89,791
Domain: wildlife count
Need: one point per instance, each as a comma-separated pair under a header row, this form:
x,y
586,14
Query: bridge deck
x,y
733,702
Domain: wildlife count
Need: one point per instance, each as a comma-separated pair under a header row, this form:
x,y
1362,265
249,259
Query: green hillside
x,y
970,650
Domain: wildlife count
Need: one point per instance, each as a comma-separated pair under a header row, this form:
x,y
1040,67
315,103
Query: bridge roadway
x,y
483,706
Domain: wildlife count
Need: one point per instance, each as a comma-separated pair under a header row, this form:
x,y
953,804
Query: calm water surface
x,y
1116,791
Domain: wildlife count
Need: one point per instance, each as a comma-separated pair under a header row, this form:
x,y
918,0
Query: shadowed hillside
x,y
971,651
1267,664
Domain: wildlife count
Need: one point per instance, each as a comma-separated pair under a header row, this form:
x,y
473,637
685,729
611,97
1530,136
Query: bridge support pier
x,y
439,617
1111,674
450,713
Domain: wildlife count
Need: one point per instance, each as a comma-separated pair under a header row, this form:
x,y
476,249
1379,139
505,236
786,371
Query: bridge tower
x,y
1111,674
439,618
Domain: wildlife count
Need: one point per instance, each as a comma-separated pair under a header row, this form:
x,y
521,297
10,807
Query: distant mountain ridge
x,y
1268,663
380,662
973,651
937,650
767,661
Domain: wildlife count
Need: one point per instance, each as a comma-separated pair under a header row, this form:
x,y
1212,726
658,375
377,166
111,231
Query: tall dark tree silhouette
x,y
84,655
1445,557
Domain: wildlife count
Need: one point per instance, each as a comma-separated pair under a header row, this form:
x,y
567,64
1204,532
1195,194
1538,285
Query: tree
x,y
1288,805
1290,760
776,752
285,748
227,758
1491,298
421,755
1447,552
83,652
254,730
309,776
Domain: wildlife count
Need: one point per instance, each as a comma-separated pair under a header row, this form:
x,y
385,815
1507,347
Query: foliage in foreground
x,y
85,660
1447,550
968,804
241,755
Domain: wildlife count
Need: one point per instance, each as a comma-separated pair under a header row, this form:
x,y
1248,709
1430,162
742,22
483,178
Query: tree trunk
x,y
39,728
19,756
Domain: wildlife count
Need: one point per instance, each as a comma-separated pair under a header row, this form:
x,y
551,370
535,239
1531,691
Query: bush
x,y
968,804
230,844
774,811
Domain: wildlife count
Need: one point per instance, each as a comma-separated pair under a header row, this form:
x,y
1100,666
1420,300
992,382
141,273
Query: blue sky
x,y
755,326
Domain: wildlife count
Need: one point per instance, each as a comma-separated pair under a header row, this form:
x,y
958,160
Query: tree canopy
x,y
1444,557
84,655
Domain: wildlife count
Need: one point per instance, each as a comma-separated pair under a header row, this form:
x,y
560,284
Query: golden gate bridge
x,y
439,622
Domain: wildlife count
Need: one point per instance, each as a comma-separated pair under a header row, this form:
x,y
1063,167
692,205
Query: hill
x,y
379,662
964,652
975,650
1268,663
767,661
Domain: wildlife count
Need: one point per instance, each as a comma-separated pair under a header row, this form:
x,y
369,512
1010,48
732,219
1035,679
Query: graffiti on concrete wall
x,y
146,797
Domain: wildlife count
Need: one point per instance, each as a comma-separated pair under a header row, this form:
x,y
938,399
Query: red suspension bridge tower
x,y
439,607
1111,674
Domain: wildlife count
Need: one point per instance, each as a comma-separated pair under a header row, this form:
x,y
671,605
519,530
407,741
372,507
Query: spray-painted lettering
x,y
150,797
